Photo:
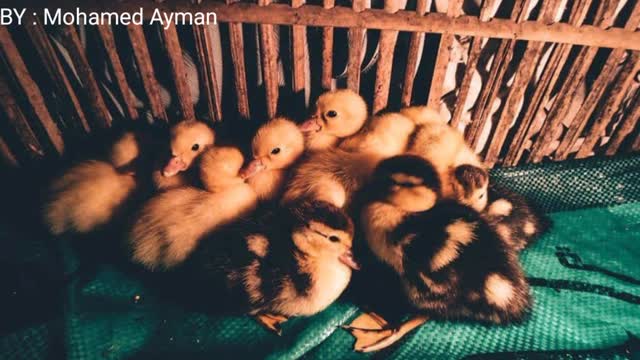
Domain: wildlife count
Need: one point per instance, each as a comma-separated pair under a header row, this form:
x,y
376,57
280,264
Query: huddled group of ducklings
x,y
274,234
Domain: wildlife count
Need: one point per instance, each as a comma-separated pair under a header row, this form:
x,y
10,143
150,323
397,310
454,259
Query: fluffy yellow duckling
x,y
188,139
89,194
386,135
276,146
462,174
339,114
170,225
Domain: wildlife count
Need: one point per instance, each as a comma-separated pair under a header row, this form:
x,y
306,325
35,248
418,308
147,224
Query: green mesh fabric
x,y
584,275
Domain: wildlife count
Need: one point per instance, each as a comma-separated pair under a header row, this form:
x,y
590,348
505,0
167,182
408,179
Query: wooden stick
x,y
624,128
32,93
236,43
56,72
619,91
299,52
109,42
270,73
174,53
96,101
417,38
207,71
143,60
7,154
356,49
327,51
635,146
18,121
387,46
442,60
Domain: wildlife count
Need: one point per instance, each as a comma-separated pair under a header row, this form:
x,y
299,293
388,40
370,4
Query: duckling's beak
x,y
311,125
254,167
347,259
174,166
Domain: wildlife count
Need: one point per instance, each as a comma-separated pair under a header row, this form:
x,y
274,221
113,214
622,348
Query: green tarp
x,y
585,277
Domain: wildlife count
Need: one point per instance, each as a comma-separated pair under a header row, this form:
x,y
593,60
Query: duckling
x,y
276,146
386,135
445,148
338,114
451,263
89,194
292,261
516,220
188,139
169,226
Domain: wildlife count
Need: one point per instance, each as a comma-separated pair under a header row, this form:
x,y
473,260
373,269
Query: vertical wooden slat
x,y
207,70
492,85
442,60
356,38
544,86
54,68
472,64
269,52
32,92
417,39
576,75
523,76
387,45
618,93
174,53
635,146
18,121
98,106
143,61
7,155
236,43
299,53
625,128
327,50
109,43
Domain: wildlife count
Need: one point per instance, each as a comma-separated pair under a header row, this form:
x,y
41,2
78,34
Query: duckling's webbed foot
x,y
372,332
272,322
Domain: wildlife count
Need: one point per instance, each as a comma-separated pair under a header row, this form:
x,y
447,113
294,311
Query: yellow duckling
x,y
276,146
188,139
170,225
339,114
386,135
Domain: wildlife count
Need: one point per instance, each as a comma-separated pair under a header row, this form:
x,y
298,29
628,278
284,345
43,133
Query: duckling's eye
x,y
481,196
331,114
334,238
275,151
195,147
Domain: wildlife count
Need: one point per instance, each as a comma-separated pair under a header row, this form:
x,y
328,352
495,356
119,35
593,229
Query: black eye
x,y
331,114
334,238
275,151
481,196
195,147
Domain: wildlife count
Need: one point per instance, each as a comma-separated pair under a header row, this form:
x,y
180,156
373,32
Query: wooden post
x,y
625,128
356,50
270,73
387,46
416,42
207,70
327,50
174,53
299,53
236,42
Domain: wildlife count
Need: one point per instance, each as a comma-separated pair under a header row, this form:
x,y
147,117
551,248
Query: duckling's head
x,y
188,140
323,231
472,183
220,166
338,113
408,182
276,146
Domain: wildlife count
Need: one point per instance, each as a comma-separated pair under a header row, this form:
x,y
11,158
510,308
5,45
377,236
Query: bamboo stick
x,y
236,43
96,101
417,38
174,53
387,45
56,72
625,128
207,71
109,42
143,60
32,92
299,52
327,50
356,49
269,52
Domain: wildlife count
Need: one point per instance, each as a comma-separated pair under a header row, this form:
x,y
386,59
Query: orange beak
x,y
254,167
174,166
311,125
347,259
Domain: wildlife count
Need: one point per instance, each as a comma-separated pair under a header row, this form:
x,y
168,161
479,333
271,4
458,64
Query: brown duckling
x,y
89,194
170,225
188,140
451,263
292,261
276,146
338,114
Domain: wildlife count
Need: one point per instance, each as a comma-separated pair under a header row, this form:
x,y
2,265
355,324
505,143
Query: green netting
x,y
584,277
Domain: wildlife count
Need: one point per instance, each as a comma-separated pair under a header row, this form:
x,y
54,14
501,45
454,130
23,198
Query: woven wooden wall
x,y
524,80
